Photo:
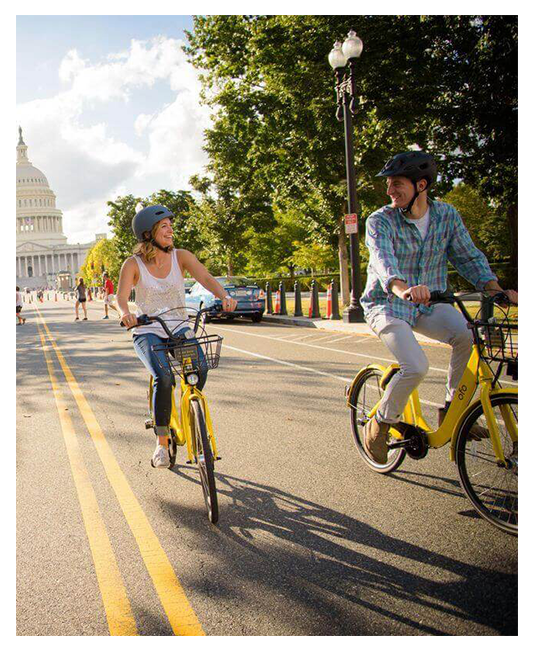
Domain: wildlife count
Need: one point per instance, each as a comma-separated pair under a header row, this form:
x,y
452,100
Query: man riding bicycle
x,y
410,243
156,272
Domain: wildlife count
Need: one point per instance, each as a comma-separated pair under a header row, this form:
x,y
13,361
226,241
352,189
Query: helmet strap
x,y
407,209
165,249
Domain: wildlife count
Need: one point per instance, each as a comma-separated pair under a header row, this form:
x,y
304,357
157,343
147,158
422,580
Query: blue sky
x,y
42,42
108,106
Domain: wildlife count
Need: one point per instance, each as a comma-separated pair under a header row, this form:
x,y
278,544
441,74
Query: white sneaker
x,y
160,457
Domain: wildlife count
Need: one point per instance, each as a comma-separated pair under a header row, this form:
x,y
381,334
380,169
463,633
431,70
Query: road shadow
x,y
335,566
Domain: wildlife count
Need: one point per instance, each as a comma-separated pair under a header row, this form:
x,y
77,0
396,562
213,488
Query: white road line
x,y
349,353
425,402
319,346
324,337
344,337
288,364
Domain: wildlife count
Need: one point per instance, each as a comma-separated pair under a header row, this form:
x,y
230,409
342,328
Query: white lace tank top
x,y
155,295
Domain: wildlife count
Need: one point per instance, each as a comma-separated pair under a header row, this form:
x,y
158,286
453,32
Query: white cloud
x,y
85,163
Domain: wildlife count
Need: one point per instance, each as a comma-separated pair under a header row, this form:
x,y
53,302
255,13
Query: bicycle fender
x,y
470,409
349,389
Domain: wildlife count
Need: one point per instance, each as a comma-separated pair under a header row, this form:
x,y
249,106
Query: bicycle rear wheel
x,y
172,448
205,460
363,398
491,487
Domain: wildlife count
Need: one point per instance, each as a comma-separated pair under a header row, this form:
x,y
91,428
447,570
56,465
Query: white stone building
x,y
42,249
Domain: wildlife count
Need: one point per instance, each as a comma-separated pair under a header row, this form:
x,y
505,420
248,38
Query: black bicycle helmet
x,y
414,165
145,219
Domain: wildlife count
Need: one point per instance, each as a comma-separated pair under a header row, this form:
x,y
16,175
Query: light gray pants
x,y
445,324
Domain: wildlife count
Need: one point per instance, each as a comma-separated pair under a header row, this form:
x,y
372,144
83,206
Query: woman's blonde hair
x,y
147,250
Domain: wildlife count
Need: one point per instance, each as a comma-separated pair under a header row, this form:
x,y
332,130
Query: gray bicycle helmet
x,y
414,165
145,219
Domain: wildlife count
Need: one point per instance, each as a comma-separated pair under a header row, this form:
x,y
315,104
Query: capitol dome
x,y
38,219
30,175
44,259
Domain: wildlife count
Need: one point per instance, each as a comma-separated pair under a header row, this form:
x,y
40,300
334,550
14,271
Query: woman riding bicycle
x,y
156,272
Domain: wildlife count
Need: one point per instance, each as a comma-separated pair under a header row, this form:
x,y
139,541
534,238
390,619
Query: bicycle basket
x,y
498,338
192,355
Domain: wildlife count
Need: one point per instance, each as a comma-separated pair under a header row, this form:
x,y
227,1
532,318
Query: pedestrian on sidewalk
x,y
108,292
20,318
81,299
410,243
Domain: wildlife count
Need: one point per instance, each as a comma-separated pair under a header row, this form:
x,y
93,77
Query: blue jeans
x,y
163,379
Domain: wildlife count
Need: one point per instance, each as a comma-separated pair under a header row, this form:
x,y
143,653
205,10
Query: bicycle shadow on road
x,y
323,559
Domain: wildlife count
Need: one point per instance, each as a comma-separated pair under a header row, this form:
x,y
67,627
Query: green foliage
x,y
446,84
488,227
104,256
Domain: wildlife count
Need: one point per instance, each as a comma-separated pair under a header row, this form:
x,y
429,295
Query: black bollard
x,y
269,303
298,312
314,304
283,299
334,301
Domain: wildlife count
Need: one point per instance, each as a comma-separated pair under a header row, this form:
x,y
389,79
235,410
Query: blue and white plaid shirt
x,y
397,250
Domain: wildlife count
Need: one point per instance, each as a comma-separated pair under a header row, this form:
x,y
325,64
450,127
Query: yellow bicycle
x,y
190,422
482,434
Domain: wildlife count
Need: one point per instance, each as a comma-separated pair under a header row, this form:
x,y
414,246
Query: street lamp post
x,y
343,59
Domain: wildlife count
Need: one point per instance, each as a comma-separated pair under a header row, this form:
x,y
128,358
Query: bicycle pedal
x,y
149,424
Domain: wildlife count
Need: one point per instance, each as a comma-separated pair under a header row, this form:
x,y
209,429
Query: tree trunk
x,y
511,215
343,264
230,266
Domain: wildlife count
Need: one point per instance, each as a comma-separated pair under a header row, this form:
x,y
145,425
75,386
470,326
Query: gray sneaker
x,y
160,457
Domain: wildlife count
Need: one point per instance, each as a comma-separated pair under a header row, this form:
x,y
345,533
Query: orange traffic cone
x,y
328,313
277,308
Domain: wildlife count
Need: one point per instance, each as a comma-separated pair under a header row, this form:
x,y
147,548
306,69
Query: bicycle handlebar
x,y
437,296
145,320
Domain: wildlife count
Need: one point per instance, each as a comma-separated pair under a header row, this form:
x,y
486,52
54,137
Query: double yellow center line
x,y
182,617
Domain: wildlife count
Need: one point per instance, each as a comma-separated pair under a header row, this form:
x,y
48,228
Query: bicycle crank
x,y
414,441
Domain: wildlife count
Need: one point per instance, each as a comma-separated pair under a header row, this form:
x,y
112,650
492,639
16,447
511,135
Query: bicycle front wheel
x,y
364,397
491,486
205,459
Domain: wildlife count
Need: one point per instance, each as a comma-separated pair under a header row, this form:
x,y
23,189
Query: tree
x,y
488,228
477,106
225,218
424,81
103,256
270,84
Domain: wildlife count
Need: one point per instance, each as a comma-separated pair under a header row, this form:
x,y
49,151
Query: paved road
x,y
310,542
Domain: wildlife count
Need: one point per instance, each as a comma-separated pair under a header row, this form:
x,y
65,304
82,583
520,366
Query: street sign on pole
x,y
350,223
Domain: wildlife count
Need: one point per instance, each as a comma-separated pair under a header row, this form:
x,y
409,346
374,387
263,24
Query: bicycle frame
x,y
477,371
184,433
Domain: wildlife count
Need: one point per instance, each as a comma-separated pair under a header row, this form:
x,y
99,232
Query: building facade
x,y
42,248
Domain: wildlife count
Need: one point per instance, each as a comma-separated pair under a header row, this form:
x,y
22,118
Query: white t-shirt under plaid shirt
x,y
397,250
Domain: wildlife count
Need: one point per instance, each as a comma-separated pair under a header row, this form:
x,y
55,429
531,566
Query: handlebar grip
x,y
438,296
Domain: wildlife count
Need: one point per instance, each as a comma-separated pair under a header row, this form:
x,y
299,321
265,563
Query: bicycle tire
x,y
205,460
363,398
172,448
494,496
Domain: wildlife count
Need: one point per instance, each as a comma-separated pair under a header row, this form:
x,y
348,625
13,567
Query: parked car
x,y
188,284
249,295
